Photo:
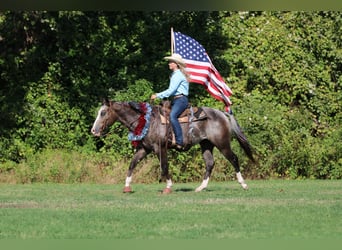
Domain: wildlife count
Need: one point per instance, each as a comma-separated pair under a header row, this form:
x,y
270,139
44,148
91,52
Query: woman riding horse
x,y
216,130
179,90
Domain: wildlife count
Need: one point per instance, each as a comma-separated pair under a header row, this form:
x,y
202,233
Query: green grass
x,y
275,209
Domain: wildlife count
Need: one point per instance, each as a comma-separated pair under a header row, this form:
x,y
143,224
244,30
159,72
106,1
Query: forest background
x,y
284,69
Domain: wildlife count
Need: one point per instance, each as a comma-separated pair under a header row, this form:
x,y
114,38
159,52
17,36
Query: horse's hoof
x,y
244,186
127,189
167,191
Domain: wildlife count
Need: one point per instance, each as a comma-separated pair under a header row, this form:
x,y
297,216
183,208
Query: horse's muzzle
x,y
95,132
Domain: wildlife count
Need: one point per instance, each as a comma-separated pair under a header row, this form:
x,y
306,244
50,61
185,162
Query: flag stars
x,y
189,48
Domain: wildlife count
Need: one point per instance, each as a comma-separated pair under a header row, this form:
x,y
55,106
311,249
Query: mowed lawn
x,y
270,209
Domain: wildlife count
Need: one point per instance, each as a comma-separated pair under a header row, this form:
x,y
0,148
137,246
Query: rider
x,y
178,89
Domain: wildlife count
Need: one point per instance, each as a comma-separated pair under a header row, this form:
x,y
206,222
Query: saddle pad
x,y
198,115
164,120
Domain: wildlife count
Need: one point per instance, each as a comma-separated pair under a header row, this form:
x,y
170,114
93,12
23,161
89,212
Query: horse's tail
x,y
240,136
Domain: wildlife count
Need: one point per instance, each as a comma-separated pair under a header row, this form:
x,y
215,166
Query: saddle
x,y
190,114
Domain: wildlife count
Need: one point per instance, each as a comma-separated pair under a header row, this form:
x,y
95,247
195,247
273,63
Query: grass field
x,y
272,209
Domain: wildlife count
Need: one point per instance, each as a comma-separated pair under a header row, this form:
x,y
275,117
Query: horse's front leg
x,y
137,157
162,155
207,153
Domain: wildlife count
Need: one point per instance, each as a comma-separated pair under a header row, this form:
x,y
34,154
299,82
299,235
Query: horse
x,y
212,128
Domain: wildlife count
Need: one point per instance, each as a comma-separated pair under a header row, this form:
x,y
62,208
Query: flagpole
x,y
172,40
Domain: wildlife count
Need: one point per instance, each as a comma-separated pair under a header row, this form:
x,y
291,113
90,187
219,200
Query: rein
x,y
128,124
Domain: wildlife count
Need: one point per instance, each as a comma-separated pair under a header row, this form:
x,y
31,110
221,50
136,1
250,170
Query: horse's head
x,y
106,116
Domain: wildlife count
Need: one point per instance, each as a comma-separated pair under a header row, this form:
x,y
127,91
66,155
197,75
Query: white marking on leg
x,y
203,185
128,181
241,180
168,183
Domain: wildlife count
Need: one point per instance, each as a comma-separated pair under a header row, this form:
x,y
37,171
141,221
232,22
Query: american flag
x,y
200,67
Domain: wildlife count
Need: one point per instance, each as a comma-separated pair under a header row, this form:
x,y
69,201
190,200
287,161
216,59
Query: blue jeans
x,y
178,106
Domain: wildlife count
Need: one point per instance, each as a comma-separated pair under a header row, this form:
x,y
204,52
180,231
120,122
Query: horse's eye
x,y
103,113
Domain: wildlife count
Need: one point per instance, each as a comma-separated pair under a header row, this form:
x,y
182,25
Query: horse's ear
x,y
105,101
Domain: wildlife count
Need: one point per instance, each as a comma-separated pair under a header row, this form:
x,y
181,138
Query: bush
x,y
285,141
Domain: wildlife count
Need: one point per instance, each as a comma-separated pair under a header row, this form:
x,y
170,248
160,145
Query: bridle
x,y
105,126
129,124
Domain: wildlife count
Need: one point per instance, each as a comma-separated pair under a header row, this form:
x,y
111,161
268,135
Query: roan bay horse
x,y
213,129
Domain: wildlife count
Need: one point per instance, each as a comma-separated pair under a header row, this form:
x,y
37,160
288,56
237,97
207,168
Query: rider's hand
x,y
153,96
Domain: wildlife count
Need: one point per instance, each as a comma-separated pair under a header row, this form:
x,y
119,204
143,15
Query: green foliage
x,y
140,91
49,122
186,166
284,140
63,166
284,69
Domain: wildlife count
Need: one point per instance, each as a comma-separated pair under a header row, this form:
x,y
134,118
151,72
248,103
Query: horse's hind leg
x,y
207,152
138,156
233,159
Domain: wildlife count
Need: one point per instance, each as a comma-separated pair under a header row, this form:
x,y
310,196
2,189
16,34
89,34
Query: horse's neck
x,y
127,116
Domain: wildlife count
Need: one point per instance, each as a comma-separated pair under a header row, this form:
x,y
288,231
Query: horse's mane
x,y
135,105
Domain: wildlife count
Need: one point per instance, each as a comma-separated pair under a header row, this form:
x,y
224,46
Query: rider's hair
x,y
184,71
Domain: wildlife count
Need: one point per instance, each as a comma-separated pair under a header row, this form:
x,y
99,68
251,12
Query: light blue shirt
x,y
178,85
